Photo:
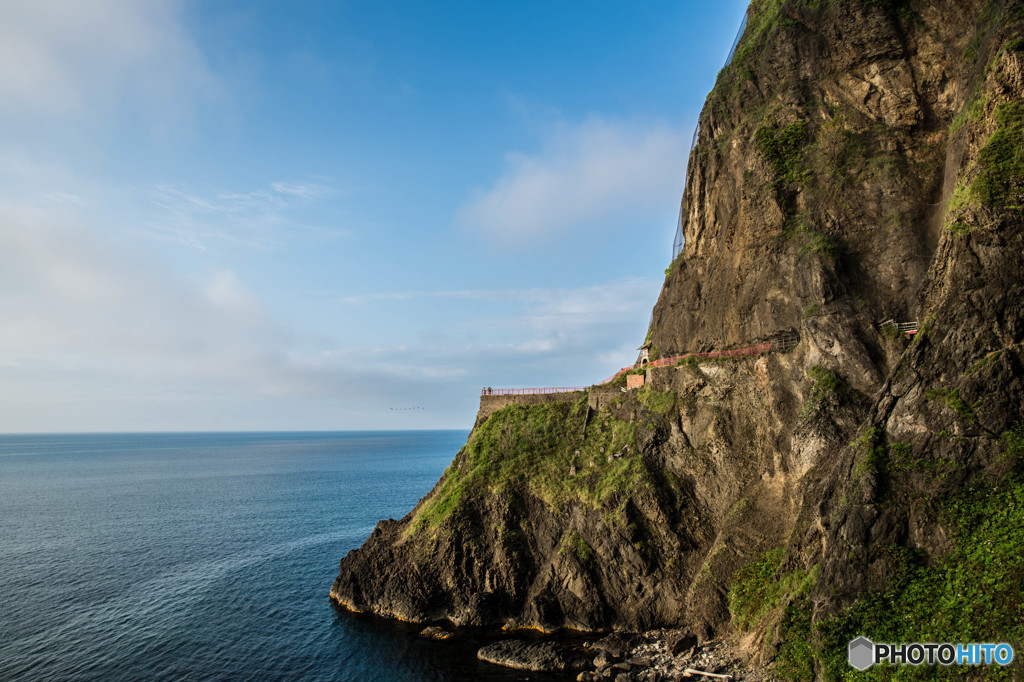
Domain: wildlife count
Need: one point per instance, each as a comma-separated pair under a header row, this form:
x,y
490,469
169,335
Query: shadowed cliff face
x,y
862,161
816,184
858,160
553,515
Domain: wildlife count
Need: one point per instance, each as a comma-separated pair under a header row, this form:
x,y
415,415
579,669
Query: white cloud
x,y
77,301
99,335
59,57
594,172
88,323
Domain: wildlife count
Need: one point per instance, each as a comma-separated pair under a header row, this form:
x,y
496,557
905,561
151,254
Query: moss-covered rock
x,y
858,161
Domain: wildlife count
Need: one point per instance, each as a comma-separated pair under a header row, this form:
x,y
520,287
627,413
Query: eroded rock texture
x,y
857,162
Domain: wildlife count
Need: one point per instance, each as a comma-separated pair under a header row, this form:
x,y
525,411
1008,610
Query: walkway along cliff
x,y
857,161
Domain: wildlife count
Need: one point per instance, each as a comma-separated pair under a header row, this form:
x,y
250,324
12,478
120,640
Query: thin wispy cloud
x,y
577,326
474,294
585,175
604,297
65,198
304,191
261,219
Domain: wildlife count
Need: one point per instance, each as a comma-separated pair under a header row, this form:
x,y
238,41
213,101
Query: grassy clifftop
x,y
556,453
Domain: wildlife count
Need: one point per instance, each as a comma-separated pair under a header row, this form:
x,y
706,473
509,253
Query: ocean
x,y
209,556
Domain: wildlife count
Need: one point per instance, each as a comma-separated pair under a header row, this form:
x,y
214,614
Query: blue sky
x,y
320,215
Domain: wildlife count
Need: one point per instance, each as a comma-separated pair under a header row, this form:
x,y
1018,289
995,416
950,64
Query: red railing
x,y
752,350
614,376
663,362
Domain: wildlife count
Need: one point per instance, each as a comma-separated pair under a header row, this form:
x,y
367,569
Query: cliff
x,y
858,161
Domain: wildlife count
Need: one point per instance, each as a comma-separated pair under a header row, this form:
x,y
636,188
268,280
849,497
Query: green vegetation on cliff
x,y
754,592
783,149
1000,182
575,543
543,450
971,112
972,594
825,386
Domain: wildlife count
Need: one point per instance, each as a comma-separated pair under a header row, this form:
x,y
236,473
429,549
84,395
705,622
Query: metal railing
x,y
736,41
532,391
614,376
679,241
664,362
908,327
787,341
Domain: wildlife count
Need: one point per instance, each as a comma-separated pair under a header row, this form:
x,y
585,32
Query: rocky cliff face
x,y
553,515
858,161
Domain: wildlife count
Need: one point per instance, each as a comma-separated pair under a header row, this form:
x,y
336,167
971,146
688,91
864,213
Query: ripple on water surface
x,y
208,556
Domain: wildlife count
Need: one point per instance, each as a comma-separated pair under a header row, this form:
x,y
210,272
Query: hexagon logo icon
x,y
860,653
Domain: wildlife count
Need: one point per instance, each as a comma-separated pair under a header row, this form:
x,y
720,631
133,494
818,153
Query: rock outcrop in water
x,y
859,161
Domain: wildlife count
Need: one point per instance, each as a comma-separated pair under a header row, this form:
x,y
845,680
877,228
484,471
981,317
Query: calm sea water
x,y
208,556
